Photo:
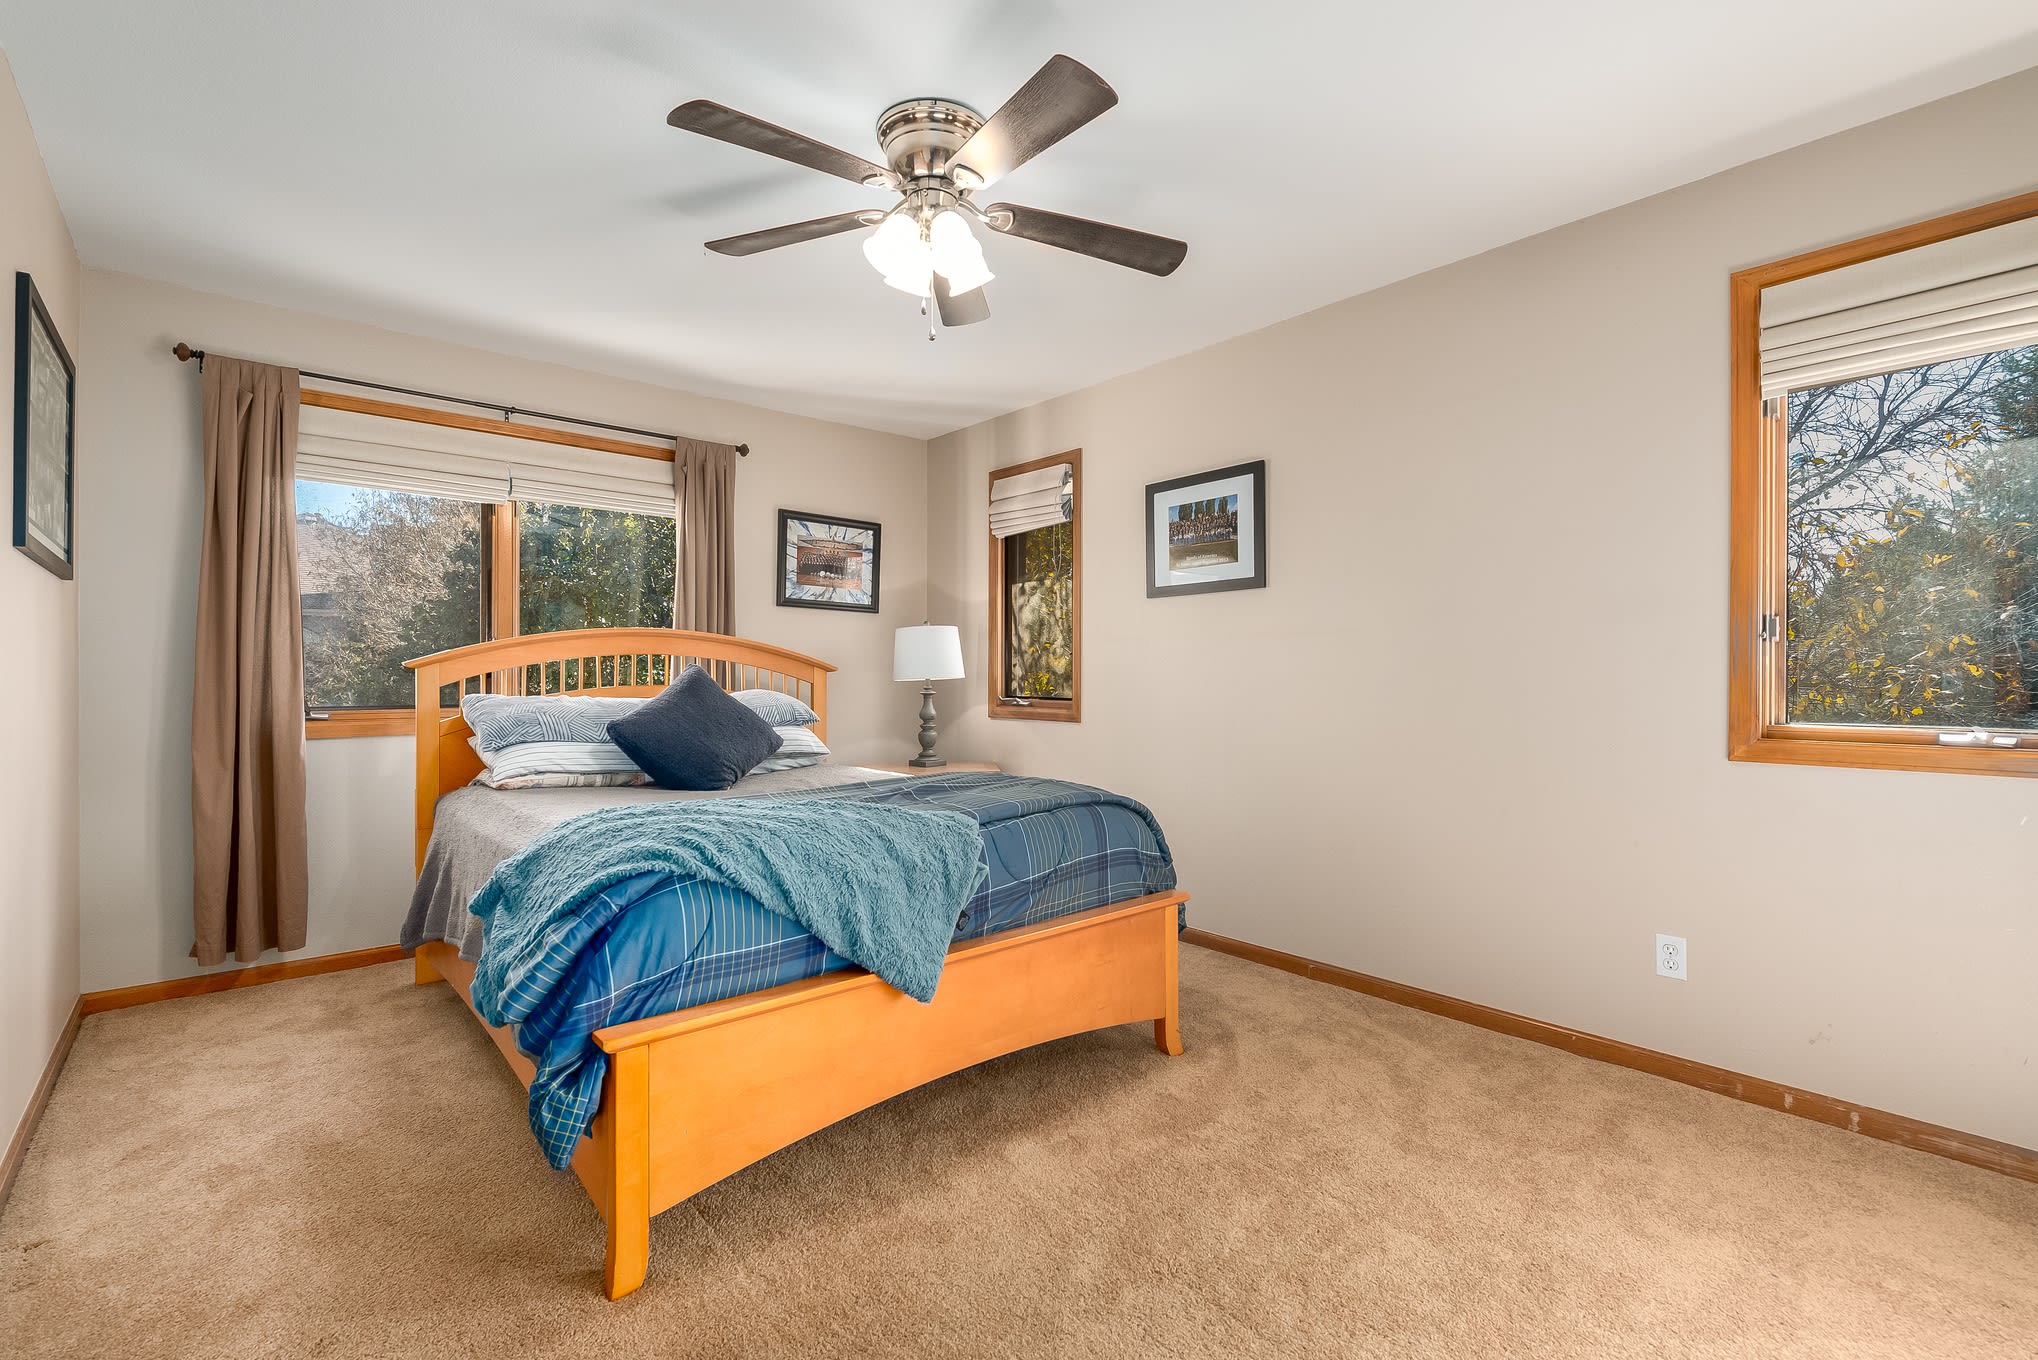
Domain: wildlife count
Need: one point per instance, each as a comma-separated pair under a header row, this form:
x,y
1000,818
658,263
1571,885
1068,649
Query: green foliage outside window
x,y
1039,612
1913,547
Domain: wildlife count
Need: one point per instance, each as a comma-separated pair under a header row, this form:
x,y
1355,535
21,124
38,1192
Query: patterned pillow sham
x,y
577,765
504,720
780,710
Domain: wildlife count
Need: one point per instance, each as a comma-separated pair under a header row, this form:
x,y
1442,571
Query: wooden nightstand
x,y
952,767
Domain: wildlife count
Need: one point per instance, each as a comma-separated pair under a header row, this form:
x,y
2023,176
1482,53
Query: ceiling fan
x,y
939,154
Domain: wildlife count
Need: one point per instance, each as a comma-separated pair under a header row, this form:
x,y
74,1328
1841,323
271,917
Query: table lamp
x,y
929,652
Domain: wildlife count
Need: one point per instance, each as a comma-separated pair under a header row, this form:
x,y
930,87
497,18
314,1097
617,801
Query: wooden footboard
x,y
695,1095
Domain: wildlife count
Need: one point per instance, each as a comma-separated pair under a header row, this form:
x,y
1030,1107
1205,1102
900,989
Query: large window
x,y
1885,553
388,576
1036,590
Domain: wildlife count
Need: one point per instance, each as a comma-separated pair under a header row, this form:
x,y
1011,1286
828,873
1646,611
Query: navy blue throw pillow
x,y
694,736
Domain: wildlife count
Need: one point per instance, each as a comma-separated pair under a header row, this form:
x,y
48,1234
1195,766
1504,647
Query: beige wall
x,y
1471,736
39,619
140,498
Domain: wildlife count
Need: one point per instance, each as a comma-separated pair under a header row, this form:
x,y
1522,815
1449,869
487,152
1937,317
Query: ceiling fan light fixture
x,y
919,282
895,247
966,278
957,256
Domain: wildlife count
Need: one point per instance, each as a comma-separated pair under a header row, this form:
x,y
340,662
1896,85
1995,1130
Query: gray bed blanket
x,y
476,828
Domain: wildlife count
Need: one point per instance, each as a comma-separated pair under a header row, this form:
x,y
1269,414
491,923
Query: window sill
x,y
1039,710
361,722
1896,751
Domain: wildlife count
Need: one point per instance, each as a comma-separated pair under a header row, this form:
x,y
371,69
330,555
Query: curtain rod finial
x,y
742,450
182,351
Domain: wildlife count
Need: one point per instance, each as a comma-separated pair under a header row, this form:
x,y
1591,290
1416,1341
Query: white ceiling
x,y
499,172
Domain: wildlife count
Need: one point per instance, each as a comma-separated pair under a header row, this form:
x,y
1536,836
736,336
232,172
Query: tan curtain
x,y
704,483
247,705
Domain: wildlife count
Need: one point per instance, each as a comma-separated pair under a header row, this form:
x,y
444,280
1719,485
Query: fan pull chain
x,y
930,324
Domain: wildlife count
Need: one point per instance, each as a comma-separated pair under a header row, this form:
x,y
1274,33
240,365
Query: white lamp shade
x,y
931,651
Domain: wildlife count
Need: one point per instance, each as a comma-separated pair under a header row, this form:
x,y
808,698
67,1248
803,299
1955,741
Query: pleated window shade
x,y
1974,294
1032,500
389,454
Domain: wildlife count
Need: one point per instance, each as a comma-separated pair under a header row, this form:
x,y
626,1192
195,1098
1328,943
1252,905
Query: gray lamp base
x,y
926,760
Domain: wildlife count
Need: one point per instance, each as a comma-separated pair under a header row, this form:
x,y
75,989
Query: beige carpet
x,y
339,1166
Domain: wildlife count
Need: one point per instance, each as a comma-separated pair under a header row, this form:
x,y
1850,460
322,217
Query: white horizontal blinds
x,y
1974,294
603,481
392,454
401,455
1032,500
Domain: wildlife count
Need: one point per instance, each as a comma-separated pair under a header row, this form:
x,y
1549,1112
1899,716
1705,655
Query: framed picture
x,y
1207,532
827,562
45,396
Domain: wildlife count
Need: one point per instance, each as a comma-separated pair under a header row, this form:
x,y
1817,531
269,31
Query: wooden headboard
x,y
589,661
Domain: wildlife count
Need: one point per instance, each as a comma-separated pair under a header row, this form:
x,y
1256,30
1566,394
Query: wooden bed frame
x,y
694,1095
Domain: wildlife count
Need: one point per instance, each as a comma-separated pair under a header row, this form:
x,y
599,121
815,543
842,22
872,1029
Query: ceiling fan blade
x,y
725,124
771,238
965,309
1100,240
1062,96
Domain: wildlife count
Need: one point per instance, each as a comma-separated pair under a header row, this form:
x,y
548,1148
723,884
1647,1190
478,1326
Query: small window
x,y
1037,590
1883,589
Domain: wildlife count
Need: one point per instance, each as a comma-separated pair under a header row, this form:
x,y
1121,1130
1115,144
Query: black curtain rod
x,y
185,354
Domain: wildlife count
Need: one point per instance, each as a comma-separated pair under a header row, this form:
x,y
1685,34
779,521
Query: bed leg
x,y
425,972
1167,1031
626,1102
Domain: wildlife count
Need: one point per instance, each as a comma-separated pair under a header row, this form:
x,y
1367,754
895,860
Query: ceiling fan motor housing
x,y
919,138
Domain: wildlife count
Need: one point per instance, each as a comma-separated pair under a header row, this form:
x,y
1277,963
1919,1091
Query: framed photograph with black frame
x,y
45,402
827,562
1207,531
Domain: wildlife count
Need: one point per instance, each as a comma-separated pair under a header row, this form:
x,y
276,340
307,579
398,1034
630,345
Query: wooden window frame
x,y
1039,710
1756,726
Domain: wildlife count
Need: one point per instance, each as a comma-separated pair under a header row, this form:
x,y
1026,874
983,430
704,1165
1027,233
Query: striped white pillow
x,y
557,764
798,747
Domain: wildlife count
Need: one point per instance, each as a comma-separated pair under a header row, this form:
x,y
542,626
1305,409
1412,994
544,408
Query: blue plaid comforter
x,y
1050,848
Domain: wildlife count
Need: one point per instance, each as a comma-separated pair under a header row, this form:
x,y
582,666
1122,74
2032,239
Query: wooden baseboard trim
x,y
1973,1149
204,984
17,1147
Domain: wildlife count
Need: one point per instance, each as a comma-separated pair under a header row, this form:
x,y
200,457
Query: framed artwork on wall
x,y
1207,531
45,402
827,562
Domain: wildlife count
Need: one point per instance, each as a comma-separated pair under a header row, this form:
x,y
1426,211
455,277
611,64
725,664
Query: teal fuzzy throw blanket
x,y
881,886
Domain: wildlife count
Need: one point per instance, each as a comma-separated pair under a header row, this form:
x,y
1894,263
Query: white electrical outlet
x,y
1670,956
